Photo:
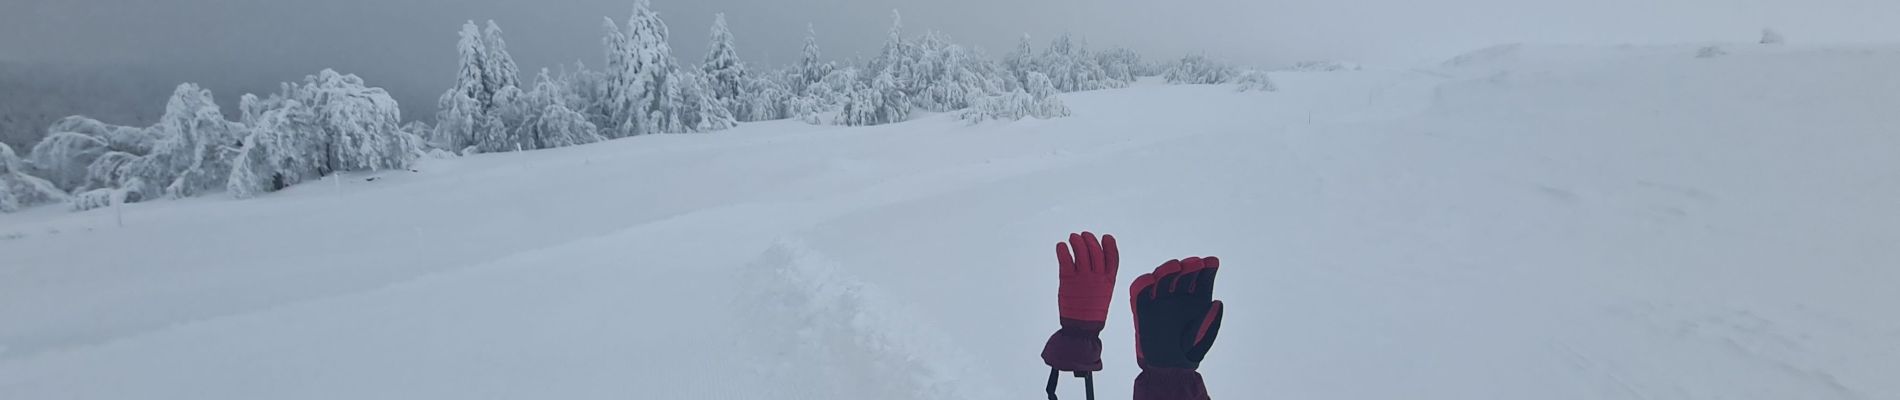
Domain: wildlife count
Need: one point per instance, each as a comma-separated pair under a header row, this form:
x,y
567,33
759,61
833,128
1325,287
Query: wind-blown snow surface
x,y
1526,223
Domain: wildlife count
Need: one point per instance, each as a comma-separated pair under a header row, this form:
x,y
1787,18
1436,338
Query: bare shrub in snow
x,y
1770,36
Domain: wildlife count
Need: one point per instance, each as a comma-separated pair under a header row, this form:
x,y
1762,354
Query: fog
x,y
408,46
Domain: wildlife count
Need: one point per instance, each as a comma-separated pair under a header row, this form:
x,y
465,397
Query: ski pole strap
x,y
1088,383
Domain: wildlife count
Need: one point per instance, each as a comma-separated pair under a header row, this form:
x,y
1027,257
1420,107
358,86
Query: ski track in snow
x,y
1547,222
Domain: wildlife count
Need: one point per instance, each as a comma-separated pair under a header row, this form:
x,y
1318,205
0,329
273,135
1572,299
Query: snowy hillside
x,y
1524,222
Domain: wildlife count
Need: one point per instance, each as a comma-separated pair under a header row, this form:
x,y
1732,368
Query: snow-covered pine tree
x,y
487,77
725,74
700,109
811,64
887,99
464,104
1020,62
498,67
646,91
897,59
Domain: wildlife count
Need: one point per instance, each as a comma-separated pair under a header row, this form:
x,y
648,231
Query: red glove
x,y
1087,271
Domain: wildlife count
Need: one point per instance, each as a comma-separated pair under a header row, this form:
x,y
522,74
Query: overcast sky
x,y
409,45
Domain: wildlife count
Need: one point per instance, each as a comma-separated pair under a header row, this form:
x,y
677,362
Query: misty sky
x,y
236,46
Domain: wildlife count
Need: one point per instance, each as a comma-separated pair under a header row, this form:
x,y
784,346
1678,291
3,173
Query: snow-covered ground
x,y
1528,222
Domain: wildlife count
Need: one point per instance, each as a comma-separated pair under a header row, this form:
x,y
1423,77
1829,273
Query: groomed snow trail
x,y
1526,222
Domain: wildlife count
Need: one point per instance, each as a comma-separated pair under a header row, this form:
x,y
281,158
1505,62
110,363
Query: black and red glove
x,y
1176,320
1087,271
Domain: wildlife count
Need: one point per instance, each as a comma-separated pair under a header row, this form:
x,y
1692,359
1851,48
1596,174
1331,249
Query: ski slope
x,y
1528,222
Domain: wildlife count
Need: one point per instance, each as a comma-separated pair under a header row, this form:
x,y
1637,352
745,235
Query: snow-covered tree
x,y
549,121
824,101
700,109
639,62
645,90
193,154
896,60
83,154
811,64
107,171
62,158
18,190
283,147
331,123
950,77
1020,62
1039,99
499,70
725,74
1069,65
1255,80
1770,36
138,140
1199,70
1122,64
763,98
470,113
882,102
1711,52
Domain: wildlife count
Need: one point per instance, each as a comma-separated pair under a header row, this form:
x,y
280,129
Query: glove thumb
x,y
1208,329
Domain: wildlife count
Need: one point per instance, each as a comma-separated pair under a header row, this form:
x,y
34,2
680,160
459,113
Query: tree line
x,y
333,122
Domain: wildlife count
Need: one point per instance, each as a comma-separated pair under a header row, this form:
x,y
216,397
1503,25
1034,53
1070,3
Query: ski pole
x,y
1088,383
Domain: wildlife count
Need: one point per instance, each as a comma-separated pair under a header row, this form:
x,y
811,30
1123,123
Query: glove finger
x,y
1095,253
1204,283
1064,260
1081,248
1165,276
1141,288
1209,328
1190,275
1112,257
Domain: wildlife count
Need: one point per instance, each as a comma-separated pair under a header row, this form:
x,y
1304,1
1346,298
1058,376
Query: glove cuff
x,y
1170,384
1076,347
